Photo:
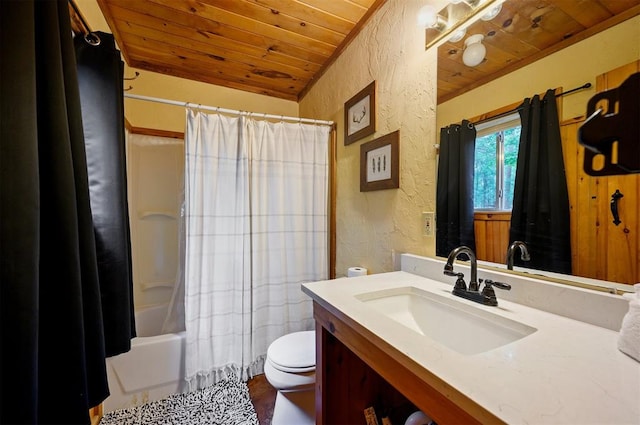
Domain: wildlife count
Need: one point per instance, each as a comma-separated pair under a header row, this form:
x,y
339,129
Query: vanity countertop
x,y
567,371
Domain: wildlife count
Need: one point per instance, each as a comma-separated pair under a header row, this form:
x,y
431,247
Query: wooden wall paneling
x,y
566,155
582,220
504,226
498,246
480,230
492,235
621,240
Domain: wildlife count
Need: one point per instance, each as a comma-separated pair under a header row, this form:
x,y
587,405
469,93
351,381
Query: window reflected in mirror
x,y
496,157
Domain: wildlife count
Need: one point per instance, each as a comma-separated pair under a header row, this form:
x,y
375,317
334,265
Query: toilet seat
x,y
287,381
294,352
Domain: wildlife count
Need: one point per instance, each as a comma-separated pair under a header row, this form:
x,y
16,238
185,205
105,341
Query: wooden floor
x,y
263,396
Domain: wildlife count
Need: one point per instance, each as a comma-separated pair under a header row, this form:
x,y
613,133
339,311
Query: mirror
x,y
605,59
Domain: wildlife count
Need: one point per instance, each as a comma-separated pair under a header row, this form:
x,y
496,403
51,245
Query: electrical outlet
x,y
427,223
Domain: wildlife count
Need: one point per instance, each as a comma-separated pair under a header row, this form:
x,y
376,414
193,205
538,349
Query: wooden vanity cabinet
x,y
355,369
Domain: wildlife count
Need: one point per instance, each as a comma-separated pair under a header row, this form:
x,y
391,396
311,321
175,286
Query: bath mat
x,y
225,403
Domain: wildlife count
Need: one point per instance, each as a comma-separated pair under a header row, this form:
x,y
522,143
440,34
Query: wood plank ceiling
x,y
280,47
271,47
525,31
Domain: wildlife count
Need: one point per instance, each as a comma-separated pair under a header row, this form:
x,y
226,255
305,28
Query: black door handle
x,y
614,206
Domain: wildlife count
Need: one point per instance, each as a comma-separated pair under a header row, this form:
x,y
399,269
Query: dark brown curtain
x,y
540,215
454,193
53,358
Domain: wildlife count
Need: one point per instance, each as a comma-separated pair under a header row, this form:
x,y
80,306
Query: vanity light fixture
x,y
450,22
471,3
474,50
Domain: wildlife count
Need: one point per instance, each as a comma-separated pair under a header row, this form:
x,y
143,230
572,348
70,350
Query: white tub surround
x,y
567,371
154,367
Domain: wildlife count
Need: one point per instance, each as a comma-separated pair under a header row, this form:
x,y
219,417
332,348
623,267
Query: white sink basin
x,y
462,327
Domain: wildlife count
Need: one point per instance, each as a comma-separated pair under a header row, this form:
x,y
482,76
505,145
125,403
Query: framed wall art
x,y
360,115
380,163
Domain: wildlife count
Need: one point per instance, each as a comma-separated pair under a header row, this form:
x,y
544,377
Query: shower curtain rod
x,y
225,110
504,114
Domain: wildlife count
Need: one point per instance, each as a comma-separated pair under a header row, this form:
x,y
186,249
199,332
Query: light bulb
x,y
458,35
492,13
474,51
427,16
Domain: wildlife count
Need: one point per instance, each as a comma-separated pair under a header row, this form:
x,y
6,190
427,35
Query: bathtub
x,y
153,369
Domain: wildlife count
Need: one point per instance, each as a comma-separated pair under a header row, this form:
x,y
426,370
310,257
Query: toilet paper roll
x,y
356,271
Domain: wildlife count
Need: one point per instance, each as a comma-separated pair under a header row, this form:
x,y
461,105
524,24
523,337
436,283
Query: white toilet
x,y
291,369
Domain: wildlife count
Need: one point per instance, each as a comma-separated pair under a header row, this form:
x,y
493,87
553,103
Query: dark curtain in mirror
x,y
540,215
454,194
53,361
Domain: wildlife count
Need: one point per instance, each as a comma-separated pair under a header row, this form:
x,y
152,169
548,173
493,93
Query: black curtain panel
x,y
540,215
454,197
52,357
100,76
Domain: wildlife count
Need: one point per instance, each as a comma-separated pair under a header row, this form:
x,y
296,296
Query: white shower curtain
x,y
256,228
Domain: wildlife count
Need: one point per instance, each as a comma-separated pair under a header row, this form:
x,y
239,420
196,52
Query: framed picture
x,y
380,163
360,115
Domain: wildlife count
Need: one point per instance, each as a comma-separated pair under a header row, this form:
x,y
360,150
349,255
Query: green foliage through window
x,y
496,158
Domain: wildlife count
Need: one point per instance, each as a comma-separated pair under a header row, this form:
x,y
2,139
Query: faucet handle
x,y
460,284
500,285
488,288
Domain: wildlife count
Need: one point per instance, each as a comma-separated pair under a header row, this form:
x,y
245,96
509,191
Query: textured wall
x,y
389,50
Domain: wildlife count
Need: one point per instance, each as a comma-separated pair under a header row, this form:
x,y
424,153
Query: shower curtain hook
x,y
92,38
132,78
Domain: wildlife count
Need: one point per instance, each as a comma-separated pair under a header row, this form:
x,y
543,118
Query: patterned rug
x,y
225,403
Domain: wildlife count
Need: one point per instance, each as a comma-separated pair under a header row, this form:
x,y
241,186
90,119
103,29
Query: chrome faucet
x,y
524,253
448,268
488,295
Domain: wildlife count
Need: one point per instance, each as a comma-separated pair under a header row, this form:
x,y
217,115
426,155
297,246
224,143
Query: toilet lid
x,y
294,352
